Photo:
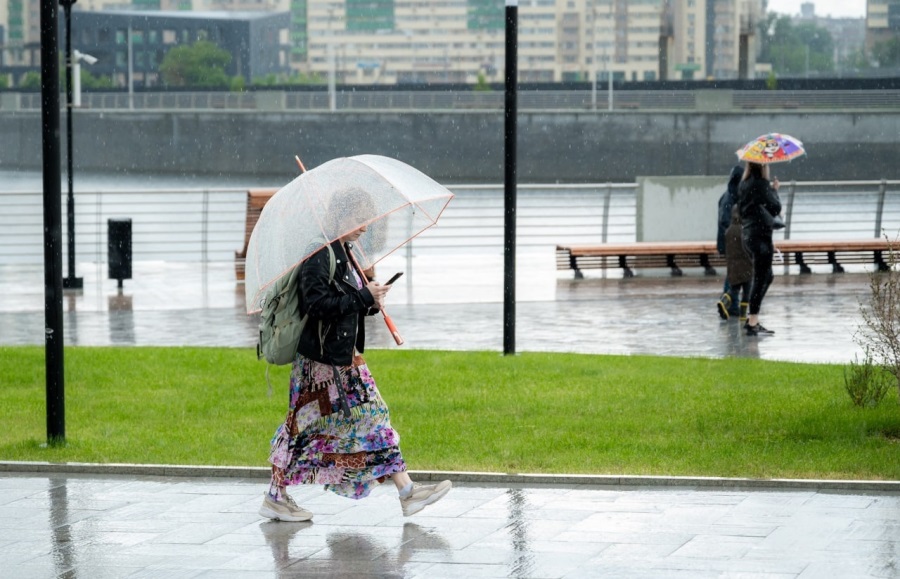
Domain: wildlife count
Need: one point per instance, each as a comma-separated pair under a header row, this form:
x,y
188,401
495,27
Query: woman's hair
x,y
757,170
350,208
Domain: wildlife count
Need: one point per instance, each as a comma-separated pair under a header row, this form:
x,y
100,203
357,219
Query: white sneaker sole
x,y
268,513
416,507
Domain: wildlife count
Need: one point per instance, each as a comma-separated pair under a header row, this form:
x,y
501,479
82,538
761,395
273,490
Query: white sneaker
x,y
284,510
423,495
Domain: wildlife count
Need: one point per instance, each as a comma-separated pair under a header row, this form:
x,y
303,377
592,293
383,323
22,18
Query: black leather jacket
x,y
756,194
339,305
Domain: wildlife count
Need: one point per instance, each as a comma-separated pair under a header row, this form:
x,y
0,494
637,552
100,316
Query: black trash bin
x,y
119,249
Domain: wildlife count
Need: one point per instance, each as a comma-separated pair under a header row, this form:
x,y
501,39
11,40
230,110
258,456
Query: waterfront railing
x,y
208,225
721,100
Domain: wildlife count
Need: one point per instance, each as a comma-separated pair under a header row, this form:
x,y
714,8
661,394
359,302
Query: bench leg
x,y
573,264
707,268
623,263
835,266
879,260
798,257
670,261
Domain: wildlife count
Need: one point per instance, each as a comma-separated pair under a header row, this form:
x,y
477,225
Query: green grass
x,y
536,413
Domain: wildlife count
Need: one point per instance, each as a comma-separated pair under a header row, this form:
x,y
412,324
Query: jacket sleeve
x,y
324,300
772,202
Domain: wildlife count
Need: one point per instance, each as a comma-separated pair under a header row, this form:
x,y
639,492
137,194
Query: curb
x,y
263,473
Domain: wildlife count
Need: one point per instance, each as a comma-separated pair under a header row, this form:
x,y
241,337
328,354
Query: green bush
x,y
867,383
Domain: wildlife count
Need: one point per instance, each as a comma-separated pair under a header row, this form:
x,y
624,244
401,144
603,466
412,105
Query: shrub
x,y
879,334
867,383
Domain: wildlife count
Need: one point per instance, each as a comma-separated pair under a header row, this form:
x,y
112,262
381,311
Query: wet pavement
x,y
144,526
455,303
60,524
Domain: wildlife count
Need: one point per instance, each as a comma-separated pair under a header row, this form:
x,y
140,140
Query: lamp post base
x,y
73,283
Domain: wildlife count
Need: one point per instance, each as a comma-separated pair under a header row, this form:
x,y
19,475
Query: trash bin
x,y
119,249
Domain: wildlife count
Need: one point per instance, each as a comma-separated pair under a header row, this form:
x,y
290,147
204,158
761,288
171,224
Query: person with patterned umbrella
x,y
760,208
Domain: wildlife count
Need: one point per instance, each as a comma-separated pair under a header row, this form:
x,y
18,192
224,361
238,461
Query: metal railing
x,y
208,225
817,99
528,100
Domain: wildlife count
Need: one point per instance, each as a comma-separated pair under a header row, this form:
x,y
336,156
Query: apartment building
x,y
882,21
460,41
389,41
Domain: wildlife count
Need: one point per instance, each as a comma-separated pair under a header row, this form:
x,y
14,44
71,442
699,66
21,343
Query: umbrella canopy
x,y
771,148
395,201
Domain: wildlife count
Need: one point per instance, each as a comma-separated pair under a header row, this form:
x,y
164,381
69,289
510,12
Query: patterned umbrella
x,y
771,148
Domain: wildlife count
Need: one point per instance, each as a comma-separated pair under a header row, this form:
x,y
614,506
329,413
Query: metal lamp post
x,y
70,281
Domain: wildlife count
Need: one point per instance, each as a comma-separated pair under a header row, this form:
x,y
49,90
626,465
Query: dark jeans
x,y
761,251
736,291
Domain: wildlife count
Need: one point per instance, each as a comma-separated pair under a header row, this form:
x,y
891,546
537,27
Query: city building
x,y
847,34
447,41
257,41
390,41
882,21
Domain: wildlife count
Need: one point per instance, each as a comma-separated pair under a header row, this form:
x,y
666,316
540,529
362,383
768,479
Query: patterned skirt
x,y
342,439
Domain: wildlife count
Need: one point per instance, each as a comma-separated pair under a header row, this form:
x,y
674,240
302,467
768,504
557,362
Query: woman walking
x,y
338,431
759,205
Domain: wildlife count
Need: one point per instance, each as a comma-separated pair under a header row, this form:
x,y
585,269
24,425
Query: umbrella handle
x,y
387,319
392,328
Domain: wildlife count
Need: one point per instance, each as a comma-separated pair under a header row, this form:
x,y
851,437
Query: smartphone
x,y
394,278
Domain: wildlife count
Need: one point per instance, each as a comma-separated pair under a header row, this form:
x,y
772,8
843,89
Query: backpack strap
x,y
332,267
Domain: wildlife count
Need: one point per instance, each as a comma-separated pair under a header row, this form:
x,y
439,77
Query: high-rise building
x,y
389,41
882,21
460,41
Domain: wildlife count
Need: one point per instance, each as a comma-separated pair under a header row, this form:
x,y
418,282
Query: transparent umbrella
x,y
395,201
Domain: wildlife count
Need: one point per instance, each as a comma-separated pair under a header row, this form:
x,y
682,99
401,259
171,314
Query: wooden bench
x,y
677,254
256,200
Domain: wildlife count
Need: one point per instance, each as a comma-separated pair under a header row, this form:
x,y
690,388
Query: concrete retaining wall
x,y
461,147
678,208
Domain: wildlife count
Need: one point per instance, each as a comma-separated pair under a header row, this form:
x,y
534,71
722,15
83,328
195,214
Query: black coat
x,y
756,195
726,202
339,306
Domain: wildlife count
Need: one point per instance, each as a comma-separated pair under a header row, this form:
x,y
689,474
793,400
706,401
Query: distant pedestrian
x,y
759,203
739,263
726,306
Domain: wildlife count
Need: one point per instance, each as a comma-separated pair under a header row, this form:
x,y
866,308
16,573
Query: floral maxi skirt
x,y
343,440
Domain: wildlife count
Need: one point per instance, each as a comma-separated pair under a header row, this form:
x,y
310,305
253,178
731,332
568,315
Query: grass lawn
x,y
531,413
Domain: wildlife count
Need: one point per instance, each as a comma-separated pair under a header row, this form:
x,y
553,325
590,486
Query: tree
x,y
201,65
795,50
89,81
887,53
30,80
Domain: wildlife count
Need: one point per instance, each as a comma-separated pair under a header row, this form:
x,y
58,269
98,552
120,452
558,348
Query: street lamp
x,y
70,281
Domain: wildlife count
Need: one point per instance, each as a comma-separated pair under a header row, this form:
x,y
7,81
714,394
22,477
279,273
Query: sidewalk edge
x,y
263,473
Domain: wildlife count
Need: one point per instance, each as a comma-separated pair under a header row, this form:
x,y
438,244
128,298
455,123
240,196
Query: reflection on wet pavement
x,y
139,526
455,303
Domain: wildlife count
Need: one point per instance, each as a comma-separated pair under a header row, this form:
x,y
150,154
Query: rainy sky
x,y
836,8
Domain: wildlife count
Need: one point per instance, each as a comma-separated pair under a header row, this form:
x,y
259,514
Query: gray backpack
x,y
280,322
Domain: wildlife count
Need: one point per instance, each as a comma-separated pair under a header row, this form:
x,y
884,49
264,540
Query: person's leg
x,y
761,252
734,293
415,496
745,301
724,305
276,485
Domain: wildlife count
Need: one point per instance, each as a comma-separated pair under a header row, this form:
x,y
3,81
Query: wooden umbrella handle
x,y
387,319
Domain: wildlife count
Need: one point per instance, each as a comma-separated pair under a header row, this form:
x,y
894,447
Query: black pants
x,y
761,250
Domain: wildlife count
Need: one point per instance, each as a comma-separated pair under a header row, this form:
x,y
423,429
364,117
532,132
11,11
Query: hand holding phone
x,y
394,278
